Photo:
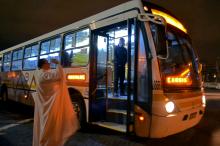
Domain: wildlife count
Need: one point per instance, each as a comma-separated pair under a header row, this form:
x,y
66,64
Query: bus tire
x,y
79,107
4,93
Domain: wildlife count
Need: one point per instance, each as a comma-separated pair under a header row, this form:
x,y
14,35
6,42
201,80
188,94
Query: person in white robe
x,y
54,118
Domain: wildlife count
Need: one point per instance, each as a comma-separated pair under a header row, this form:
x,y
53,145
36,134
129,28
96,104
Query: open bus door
x,y
118,113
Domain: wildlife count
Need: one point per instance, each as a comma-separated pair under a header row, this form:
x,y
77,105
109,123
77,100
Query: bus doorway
x,y
108,109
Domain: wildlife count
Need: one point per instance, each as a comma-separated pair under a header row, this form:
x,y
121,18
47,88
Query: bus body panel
x,y
163,126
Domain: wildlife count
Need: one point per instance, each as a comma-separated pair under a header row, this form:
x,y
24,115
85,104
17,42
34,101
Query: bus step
x,y
112,126
117,116
118,103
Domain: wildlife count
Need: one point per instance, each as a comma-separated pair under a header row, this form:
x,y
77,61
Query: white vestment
x,y
54,118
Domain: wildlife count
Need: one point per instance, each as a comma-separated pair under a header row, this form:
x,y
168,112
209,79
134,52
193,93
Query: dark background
x,y
22,20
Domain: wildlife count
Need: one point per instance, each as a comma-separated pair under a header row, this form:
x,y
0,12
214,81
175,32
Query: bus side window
x,y
30,57
17,60
50,49
76,49
7,62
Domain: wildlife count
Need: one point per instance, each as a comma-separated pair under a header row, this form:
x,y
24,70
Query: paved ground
x,y
16,130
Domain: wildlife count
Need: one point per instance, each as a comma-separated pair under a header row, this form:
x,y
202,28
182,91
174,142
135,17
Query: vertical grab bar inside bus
x,y
129,78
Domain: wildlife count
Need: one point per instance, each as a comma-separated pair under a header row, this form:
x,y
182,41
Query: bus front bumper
x,y
175,123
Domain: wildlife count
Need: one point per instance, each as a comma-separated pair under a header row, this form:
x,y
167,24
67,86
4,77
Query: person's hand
x,y
54,61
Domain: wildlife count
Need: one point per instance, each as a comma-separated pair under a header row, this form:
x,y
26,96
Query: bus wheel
x,y
79,108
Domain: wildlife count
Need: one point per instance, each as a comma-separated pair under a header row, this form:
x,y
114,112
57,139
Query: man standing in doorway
x,y
120,59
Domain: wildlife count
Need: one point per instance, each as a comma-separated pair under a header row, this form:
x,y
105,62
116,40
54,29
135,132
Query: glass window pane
x,y
30,63
79,56
70,41
82,38
44,57
34,50
121,33
142,79
45,47
20,54
7,57
126,41
55,45
111,33
54,56
17,65
6,66
27,52
15,55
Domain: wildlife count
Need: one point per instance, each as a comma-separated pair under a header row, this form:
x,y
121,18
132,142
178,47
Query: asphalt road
x,y
16,123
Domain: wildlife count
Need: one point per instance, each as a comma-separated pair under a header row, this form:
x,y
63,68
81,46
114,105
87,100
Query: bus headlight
x,y
203,100
170,107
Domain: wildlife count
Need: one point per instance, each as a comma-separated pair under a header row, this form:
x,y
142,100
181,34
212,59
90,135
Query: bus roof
x,y
131,5
85,22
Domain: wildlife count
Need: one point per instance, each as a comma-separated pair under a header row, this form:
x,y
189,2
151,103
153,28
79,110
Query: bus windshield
x,y
180,68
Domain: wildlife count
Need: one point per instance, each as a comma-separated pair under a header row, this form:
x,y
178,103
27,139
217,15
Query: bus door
x,y
107,109
99,77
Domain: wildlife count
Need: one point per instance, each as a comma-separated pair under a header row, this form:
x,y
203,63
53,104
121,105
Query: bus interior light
x,y
78,77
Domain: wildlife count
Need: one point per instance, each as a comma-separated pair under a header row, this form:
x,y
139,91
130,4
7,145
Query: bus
x,y
163,94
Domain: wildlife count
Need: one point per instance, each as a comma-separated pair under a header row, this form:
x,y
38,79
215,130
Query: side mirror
x,y
161,43
158,29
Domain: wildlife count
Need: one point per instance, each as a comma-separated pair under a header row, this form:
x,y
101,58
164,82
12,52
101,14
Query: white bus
x,y
162,79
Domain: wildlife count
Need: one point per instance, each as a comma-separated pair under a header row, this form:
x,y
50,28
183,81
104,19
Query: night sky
x,y
22,20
